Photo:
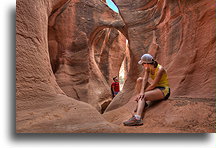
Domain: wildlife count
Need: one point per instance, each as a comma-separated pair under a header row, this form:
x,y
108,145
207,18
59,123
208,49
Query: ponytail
x,y
155,63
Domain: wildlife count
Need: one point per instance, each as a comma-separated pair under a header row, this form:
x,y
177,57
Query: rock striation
x,y
67,52
181,37
74,33
55,60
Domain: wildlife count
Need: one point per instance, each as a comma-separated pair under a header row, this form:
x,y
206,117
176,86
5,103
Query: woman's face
x,y
146,65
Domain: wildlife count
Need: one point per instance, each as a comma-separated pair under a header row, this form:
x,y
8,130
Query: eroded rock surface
x,y
110,51
61,84
176,115
53,38
74,36
181,37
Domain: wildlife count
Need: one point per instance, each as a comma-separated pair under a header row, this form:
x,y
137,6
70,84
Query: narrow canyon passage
x,y
68,51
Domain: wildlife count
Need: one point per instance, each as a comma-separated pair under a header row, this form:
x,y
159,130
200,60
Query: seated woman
x,y
158,90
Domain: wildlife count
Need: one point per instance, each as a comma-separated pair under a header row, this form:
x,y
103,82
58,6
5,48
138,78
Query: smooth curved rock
x,y
55,59
41,105
71,36
181,37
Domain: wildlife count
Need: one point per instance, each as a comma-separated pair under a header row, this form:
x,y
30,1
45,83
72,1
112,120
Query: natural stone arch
x,y
108,51
109,36
70,39
41,105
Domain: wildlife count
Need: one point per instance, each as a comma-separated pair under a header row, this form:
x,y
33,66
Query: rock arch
x,y
41,104
70,38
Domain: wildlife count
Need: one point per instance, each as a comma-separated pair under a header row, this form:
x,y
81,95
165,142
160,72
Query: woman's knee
x,y
138,84
153,95
139,80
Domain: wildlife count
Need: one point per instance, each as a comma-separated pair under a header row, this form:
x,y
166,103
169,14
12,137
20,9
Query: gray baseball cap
x,y
146,58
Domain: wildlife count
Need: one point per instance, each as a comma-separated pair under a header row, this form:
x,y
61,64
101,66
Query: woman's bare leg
x,y
138,88
152,95
155,94
138,85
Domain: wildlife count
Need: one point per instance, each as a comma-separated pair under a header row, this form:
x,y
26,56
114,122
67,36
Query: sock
x,y
137,117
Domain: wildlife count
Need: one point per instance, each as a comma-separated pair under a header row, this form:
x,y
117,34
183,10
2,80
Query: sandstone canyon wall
x,y
54,54
65,55
72,33
181,37
110,51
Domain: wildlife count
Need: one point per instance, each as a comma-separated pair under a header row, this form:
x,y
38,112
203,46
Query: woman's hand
x,y
149,88
140,96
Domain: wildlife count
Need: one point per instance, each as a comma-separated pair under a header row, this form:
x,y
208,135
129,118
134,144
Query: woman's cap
x,y
146,58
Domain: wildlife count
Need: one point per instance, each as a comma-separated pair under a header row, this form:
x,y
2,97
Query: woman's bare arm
x,y
144,83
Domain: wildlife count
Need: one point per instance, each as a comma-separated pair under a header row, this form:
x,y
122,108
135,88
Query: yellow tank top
x,y
164,79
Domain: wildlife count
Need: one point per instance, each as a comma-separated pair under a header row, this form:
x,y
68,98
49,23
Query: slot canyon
x,y
68,51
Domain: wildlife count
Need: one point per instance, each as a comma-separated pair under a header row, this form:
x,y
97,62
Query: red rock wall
x,y
45,36
71,47
55,59
110,50
181,37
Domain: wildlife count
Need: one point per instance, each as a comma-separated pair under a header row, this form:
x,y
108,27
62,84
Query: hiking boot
x,y
133,122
